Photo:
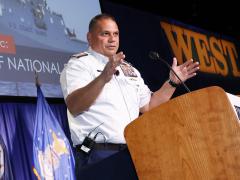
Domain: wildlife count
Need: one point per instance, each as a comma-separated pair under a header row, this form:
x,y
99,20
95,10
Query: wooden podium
x,y
193,136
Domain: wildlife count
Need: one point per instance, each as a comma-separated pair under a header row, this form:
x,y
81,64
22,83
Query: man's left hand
x,y
184,71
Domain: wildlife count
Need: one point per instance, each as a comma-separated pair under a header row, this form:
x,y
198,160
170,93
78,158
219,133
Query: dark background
x,y
140,33
216,16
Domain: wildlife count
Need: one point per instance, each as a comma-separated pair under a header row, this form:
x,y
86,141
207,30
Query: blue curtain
x,y
16,129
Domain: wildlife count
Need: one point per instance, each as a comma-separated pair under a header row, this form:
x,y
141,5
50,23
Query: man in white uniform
x,y
104,93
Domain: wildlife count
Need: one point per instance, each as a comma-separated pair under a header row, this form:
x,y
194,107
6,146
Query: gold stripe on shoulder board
x,y
78,55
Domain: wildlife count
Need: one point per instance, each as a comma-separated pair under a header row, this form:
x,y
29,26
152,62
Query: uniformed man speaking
x,y
104,93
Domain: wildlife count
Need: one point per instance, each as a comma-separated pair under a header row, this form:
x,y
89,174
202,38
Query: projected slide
x,y
40,35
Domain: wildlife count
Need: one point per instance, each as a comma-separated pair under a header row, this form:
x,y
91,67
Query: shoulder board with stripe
x,y
82,54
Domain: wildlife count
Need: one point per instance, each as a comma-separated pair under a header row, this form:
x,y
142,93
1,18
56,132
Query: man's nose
x,y
112,38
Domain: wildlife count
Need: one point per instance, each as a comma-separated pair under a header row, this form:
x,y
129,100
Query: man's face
x,y
104,38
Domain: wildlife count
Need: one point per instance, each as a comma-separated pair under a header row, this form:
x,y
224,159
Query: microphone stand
x,y
155,56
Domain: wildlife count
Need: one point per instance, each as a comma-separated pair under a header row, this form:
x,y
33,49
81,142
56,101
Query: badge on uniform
x,y
128,70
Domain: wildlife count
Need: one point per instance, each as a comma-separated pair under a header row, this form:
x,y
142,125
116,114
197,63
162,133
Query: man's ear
x,y
89,38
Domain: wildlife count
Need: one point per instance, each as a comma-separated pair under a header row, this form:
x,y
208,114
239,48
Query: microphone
x,y
155,56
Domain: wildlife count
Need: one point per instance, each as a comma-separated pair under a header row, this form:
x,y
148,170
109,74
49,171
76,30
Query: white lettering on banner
x,y
37,66
1,62
21,66
3,44
26,64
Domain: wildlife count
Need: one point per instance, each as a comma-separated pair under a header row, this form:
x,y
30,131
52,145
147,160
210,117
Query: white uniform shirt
x,y
117,105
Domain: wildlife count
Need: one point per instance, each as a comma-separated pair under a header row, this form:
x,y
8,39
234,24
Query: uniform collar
x,y
103,59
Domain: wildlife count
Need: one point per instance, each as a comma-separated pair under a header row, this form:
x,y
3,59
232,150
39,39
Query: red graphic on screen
x,y
7,44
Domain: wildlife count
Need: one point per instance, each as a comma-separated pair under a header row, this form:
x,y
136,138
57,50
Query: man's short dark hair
x,y
97,18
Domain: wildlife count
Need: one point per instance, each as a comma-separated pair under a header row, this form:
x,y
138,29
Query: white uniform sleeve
x,y
144,92
75,75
